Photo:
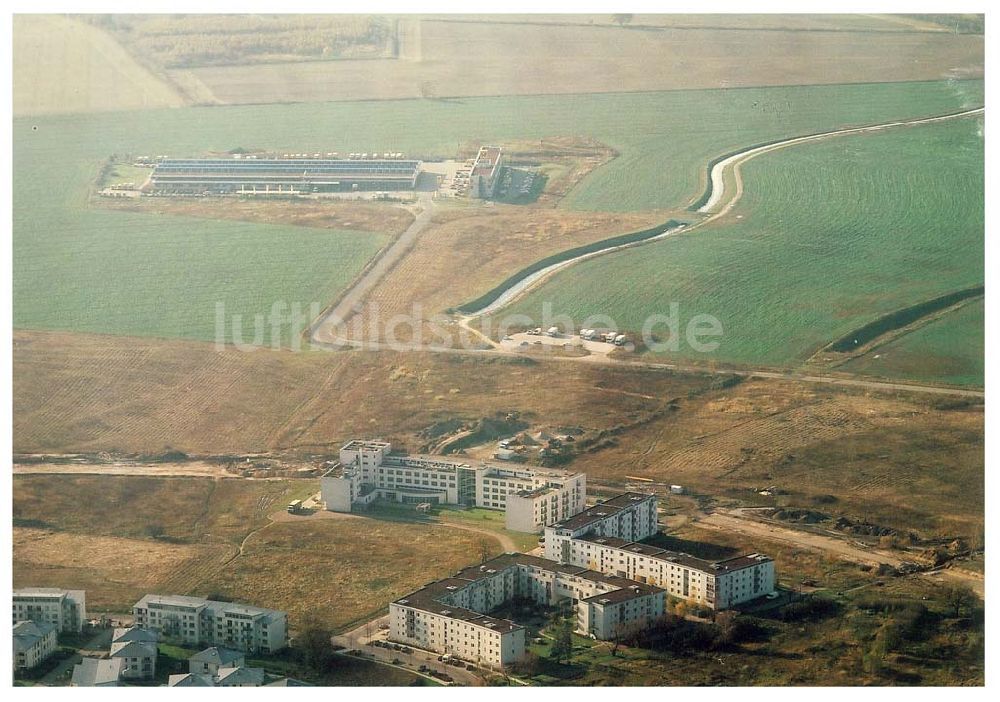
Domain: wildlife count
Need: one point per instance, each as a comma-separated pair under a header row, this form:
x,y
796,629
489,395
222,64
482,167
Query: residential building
x,y
714,584
531,497
190,680
209,661
240,677
67,609
451,615
139,658
97,672
630,516
195,620
133,633
33,643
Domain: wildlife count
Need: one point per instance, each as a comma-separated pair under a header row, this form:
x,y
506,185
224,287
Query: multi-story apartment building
x,y
67,609
138,650
451,615
630,516
718,584
194,620
33,643
531,497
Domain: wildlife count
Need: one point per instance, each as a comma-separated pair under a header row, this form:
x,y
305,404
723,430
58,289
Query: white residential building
x,y
190,680
209,661
195,620
449,616
532,497
97,672
718,585
631,516
67,609
33,643
138,659
240,677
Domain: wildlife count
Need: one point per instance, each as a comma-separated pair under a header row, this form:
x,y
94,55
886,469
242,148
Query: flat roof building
x,y
282,175
451,616
531,497
195,620
67,609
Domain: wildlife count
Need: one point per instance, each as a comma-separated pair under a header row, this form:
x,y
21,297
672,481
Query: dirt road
x,y
327,329
194,469
738,521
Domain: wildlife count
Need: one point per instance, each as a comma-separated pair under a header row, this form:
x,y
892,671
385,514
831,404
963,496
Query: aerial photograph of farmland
x,y
480,350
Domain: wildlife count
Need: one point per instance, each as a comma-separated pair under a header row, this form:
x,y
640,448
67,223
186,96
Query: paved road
x,y
97,646
327,328
360,637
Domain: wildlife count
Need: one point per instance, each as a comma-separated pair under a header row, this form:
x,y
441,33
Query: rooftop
x,y
433,597
215,654
28,633
93,672
655,552
603,510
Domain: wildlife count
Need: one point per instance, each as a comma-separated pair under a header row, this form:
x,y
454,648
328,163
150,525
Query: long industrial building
x,y
451,617
531,497
282,175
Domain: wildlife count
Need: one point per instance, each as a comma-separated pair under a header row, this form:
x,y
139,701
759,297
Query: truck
x,y
294,506
553,331
609,337
587,334
620,340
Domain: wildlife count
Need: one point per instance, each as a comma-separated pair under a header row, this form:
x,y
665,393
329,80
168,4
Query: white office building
x,y
67,609
195,620
531,497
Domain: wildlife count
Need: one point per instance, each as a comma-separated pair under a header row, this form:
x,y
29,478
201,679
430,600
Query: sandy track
x,y
734,521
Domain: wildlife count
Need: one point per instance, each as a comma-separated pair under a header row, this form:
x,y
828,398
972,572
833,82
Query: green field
x,y
949,350
79,269
833,234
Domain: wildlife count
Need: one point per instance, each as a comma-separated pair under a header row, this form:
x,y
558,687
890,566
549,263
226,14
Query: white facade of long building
x,y
67,609
531,497
195,620
718,585
448,616
631,516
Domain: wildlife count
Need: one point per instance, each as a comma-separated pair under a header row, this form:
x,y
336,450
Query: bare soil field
x,y
215,538
114,571
76,393
468,250
64,65
903,460
173,510
342,571
454,59
354,216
